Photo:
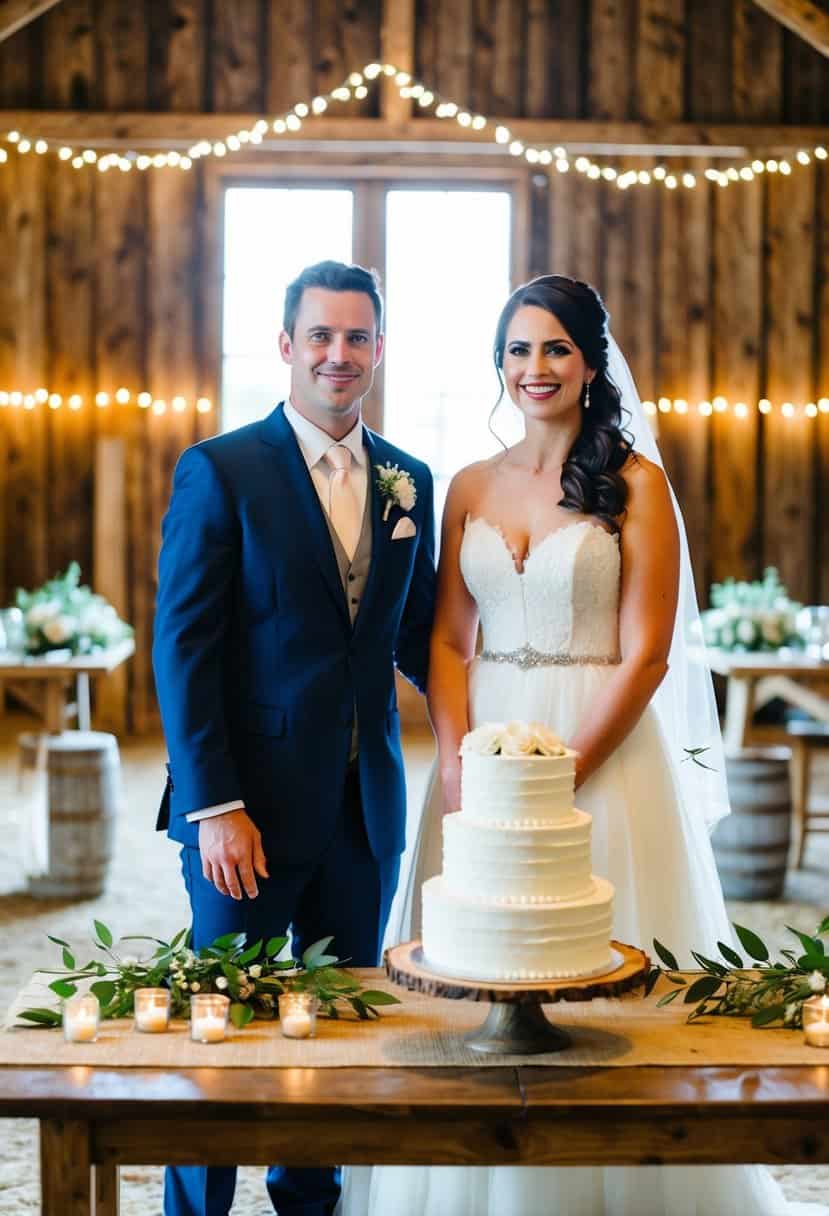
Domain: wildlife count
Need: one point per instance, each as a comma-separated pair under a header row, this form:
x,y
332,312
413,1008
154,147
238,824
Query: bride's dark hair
x,y
591,479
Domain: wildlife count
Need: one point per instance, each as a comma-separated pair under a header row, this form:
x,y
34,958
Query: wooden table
x,y
55,677
755,679
93,1120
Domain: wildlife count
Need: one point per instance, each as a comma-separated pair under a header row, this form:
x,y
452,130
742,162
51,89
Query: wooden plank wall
x,y
710,290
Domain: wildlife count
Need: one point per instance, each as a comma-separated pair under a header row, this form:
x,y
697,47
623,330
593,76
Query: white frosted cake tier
x,y
524,864
509,789
480,939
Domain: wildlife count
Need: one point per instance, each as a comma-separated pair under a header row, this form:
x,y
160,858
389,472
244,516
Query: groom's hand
x,y
231,850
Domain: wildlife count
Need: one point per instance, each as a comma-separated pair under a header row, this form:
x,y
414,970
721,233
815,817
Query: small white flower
x,y
547,741
195,986
59,629
727,636
484,740
129,960
518,740
184,985
38,614
790,1012
817,982
221,983
746,631
255,971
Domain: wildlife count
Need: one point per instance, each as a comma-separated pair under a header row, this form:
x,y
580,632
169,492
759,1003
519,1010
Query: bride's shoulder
x,y
466,488
649,496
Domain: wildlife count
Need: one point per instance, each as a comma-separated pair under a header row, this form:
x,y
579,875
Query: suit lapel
x,y
276,432
378,527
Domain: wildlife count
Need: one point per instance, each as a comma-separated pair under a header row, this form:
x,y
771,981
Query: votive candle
x,y
816,1021
298,1015
81,1019
208,1017
152,1010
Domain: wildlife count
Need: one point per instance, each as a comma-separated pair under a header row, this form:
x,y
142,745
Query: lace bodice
x,y
566,600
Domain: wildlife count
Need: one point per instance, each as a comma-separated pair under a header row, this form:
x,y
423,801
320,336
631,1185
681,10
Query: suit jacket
x,y
258,668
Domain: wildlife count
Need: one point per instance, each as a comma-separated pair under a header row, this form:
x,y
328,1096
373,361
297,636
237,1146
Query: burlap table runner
x,y
422,1032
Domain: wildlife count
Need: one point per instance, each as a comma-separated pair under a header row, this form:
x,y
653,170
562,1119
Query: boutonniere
x,y
397,488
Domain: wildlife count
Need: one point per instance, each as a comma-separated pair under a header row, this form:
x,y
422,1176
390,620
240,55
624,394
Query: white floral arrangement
x,y
397,488
63,615
512,739
751,616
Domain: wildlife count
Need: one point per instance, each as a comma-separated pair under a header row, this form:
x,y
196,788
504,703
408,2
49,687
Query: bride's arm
x,y
649,592
452,646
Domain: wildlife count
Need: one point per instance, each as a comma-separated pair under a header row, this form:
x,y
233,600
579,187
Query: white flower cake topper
x,y
512,739
397,487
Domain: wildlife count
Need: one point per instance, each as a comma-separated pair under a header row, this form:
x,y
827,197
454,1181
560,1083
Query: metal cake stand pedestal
x,y
516,1024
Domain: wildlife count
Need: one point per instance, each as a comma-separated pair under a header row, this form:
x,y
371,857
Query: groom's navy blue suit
x,y
259,672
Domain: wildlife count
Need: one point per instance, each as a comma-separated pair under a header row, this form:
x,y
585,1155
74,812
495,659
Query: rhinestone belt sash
x,y
527,656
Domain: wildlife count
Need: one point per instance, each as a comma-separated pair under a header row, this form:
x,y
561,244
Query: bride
x,y
569,550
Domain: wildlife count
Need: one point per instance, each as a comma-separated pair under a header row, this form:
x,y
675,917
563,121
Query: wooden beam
x,y
802,17
397,47
167,130
15,14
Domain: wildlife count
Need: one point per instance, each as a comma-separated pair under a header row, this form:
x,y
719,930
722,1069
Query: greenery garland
x,y
252,976
765,990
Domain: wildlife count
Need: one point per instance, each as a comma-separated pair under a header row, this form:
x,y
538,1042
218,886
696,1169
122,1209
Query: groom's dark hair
x,y
333,276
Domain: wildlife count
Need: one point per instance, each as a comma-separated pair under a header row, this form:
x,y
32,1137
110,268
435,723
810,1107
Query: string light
x,y
102,399
357,85
203,405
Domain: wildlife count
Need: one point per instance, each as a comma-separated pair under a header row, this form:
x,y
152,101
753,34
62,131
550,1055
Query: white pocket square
x,y
403,529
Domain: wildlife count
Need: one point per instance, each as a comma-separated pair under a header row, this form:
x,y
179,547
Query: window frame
x,y
370,181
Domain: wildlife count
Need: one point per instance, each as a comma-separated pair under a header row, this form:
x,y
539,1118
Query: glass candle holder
x,y
152,1009
298,1015
81,1019
816,1021
208,1017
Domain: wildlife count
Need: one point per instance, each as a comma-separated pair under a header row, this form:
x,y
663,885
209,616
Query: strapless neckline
x,y
549,536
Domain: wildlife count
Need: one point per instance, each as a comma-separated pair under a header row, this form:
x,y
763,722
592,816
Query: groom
x,y
291,582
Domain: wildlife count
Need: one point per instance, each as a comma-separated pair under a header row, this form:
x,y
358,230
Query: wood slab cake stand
x,y
516,1024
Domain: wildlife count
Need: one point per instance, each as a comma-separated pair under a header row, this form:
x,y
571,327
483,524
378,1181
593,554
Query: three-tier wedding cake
x,y
516,899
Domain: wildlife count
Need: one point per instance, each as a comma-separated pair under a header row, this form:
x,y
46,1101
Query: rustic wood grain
x,y
178,60
121,27
237,57
660,60
406,966
788,491
15,15
708,34
757,63
65,1168
70,79
737,336
804,18
611,69
290,72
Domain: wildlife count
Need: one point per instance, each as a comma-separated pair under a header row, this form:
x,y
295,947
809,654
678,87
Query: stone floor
x,y
145,895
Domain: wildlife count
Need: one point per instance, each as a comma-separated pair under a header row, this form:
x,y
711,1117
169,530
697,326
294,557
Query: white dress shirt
x,y
313,443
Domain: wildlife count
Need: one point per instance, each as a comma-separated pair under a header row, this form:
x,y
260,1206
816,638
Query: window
x,y
447,279
270,234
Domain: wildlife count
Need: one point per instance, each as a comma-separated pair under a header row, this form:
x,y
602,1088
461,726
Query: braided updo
x,y
591,479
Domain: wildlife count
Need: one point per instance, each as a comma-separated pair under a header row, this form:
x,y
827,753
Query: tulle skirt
x,y
658,855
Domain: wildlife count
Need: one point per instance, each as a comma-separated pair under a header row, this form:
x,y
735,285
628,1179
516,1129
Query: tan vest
x,y
354,576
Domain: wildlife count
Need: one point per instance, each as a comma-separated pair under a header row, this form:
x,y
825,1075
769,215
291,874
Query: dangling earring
x,y
587,394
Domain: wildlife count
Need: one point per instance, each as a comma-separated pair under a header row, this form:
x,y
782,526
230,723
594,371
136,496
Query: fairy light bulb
x,y
55,401
681,405
705,408
75,401
319,105
101,400
764,405
787,409
179,404
160,406
740,409
562,165
811,410
649,407
203,405
145,400
823,405
664,405
122,396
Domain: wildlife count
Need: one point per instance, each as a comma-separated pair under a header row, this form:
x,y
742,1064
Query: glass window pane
x,y
447,279
271,233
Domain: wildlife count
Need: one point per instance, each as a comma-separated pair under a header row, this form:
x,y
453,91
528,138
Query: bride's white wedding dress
x,y
654,850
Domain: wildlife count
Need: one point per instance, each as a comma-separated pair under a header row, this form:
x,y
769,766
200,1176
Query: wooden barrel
x,y
752,844
84,792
